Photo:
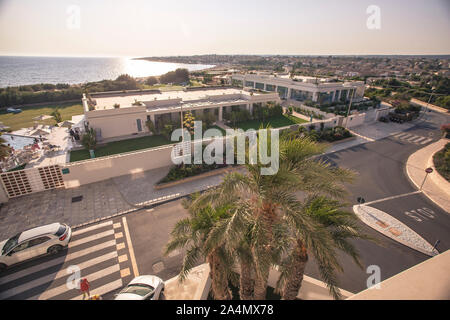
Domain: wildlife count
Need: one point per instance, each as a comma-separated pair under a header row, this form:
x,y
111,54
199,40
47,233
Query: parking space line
x,y
130,247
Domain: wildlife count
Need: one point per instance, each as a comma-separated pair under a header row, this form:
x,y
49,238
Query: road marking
x,y
399,134
104,289
412,138
97,226
116,225
90,238
426,141
120,246
407,136
419,139
392,197
130,247
123,258
125,272
118,235
53,276
56,261
91,277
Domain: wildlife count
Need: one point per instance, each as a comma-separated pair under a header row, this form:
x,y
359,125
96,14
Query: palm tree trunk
x,y
246,282
219,279
260,288
295,278
268,216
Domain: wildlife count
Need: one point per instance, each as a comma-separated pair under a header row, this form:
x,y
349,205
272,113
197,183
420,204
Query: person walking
x,y
84,287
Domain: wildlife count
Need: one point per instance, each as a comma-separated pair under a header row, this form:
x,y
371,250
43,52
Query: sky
x,y
137,28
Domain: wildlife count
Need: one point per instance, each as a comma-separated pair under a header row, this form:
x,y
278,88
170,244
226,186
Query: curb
x,y
383,231
429,163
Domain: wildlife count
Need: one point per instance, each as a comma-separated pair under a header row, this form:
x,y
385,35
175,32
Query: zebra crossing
x,y
98,252
411,138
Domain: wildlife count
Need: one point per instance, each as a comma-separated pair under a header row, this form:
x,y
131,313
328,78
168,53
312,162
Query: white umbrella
x,y
66,124
42,117
40,132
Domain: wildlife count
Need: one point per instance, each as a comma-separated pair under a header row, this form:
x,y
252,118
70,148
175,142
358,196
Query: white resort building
x,y
320,90
120,114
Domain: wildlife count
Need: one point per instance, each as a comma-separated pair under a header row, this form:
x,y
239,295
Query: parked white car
x,y
142,288
49,239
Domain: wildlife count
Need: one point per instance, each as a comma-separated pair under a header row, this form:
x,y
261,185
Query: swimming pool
x,y
17,142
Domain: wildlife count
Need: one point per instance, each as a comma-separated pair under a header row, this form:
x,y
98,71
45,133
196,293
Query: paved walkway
x,y
393,228
100,200
435,187
139,189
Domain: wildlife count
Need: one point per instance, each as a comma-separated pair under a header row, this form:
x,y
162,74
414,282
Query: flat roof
x,y
126,100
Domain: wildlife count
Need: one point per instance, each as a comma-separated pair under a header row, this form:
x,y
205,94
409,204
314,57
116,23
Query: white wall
x,y
94,170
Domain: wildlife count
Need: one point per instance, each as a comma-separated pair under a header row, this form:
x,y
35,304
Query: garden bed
x,y
198,176
441,161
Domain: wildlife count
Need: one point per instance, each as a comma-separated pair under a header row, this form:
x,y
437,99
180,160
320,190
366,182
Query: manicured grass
x,y
275,122
120,147
25,118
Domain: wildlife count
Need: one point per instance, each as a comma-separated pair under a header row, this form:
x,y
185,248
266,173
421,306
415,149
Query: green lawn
x,y
25,118
275,122
120,147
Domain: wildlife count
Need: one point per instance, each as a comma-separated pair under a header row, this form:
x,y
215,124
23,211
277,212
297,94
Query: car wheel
x,y
2,267
54,249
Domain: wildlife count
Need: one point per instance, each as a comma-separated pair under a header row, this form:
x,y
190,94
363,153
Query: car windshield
x,y
61,230
139,289
11,243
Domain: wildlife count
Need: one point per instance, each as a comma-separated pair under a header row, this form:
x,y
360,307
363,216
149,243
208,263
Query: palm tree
x,y
267,205
340,226
190,234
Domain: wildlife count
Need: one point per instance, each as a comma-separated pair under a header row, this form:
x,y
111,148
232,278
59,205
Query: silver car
x,y
143,288
49,239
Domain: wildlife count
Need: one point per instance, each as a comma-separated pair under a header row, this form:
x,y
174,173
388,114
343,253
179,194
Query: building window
x,y
259,85
249,84
270,87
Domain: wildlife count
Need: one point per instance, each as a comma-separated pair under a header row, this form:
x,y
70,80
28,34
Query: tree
x,y
89,139
150,126
191,234
151,81
265,209
57,115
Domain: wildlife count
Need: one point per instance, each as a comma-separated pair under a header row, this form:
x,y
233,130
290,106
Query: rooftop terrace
x,y
126,100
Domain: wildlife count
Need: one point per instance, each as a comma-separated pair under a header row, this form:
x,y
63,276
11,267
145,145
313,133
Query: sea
x,y
24,70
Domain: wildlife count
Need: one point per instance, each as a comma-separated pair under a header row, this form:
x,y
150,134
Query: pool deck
x,y
56,136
